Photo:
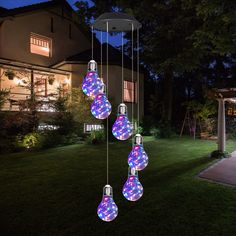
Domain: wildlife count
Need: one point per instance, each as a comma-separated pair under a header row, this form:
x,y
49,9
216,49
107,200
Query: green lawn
x,y
57,191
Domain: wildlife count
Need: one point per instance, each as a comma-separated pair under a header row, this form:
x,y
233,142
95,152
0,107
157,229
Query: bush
x,y
219,154
28,141
96,137
155,132
148,125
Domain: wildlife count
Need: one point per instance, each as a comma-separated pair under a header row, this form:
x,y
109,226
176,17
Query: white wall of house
x,y
15,37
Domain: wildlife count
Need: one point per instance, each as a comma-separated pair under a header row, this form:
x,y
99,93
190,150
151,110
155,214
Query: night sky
x,y
114,40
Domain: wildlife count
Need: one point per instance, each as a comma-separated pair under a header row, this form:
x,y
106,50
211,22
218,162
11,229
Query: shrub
x,y
96,137
155,132
219,154
29,141
165,130
148,125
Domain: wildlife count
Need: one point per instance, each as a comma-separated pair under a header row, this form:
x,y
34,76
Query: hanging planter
x,y
51,80
10,74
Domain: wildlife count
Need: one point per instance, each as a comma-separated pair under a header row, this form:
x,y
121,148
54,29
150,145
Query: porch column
x,y
221,124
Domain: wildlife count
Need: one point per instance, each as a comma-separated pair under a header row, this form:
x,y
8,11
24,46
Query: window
x,y
90,127
40,45
129,91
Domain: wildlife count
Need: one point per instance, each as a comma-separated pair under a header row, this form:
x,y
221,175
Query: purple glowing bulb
x,y
138,158
107,209
101,107
122,129
92,84
132,189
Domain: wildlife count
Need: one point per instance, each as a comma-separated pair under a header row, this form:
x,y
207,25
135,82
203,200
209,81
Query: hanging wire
x,y
132,58
107,117
101,53
122,66
92,41
138,98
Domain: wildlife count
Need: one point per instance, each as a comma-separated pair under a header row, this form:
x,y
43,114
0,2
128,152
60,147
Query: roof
x,y
41,6
228,94
33,7
114,56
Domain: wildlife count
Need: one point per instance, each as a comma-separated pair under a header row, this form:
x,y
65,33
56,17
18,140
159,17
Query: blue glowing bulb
x,y
101,107
132,189
107,209
138,158
91,84
122,129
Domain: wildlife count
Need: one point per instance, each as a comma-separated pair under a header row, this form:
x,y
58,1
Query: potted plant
x,y
10,74
51,80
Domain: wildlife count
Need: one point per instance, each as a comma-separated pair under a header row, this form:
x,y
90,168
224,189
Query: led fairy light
x,y
122,129
138,158
101,107
132,189
107,209
92,84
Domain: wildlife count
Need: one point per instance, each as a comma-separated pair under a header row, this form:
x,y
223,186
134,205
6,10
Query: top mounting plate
x,y
117,22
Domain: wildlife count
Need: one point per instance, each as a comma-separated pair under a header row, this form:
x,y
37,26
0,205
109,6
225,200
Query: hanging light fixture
x,y
138,158
107,209
122,128
101,107
132,189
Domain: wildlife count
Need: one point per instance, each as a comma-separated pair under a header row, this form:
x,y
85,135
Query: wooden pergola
x,y
222,96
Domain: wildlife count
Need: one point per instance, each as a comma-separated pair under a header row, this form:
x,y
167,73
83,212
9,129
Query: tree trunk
x,y
168,94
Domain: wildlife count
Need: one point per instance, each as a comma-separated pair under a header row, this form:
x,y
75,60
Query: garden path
x,y
223,171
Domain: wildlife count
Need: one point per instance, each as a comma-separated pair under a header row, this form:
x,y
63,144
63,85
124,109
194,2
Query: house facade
x,y
44,51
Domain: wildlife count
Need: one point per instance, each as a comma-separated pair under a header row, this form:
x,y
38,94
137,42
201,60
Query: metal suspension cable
x,y
138,85
92,42
122,66
132,53
107,117
101,53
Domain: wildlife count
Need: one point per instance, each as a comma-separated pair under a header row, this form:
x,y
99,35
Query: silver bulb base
x,y
122,109
103,89
107,190
132,172
138,139
92,65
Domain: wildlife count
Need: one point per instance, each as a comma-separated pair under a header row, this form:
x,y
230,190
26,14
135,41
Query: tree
x,y
177,37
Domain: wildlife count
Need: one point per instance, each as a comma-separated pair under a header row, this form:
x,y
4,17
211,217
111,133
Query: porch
x,y
26,82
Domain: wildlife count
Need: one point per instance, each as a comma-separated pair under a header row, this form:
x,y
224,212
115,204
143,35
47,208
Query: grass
x,y
57,191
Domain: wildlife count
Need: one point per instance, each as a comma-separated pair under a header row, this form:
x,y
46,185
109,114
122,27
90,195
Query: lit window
x,y
40,45
91,127
129,91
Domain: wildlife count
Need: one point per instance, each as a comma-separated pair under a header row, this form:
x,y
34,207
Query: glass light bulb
x,y
122,129
107,209
101,107
132,189
138,158
91,84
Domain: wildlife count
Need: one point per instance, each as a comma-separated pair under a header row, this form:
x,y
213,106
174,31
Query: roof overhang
x,y
9,64
228,94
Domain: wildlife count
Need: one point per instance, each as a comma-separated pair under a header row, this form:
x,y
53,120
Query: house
x,y
45,45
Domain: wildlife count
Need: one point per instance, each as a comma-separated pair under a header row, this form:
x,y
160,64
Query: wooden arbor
x,y
222,96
